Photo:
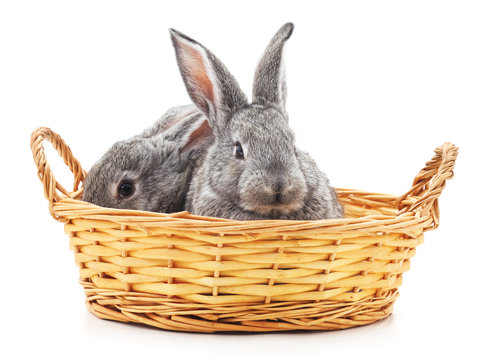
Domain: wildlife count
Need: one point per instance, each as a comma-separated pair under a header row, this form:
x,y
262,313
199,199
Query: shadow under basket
x,y
192,273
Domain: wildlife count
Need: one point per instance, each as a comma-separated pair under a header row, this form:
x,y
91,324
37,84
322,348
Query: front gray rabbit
x,y
253,169
151,171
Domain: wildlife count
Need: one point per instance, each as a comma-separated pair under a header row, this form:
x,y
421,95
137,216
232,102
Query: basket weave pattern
x,y
191,273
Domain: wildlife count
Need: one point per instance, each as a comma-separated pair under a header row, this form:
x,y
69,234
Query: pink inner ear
x,y
202,133
196,72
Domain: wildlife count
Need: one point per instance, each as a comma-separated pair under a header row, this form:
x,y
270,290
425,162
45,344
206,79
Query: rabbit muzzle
x,y
275,196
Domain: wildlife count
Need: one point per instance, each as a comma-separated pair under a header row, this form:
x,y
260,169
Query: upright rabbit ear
x,y
210,85
269,79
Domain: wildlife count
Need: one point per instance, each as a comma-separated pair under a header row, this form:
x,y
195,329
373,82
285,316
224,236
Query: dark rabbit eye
x,y
239,152
125,189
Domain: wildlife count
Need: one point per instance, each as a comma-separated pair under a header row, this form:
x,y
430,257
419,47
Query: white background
x,y
374,87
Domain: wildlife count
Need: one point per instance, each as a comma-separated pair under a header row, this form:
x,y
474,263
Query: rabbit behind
x,y
253,169
151,171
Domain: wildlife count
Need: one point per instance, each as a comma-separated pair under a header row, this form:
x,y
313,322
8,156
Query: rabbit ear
x,y
269,79
172,118
210,85
200,137
191,135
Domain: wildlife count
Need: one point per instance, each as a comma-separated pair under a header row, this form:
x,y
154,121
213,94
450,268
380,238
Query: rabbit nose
x,y
278,186
279,197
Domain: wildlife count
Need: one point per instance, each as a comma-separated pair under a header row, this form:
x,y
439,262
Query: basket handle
x,y
53,191
429,183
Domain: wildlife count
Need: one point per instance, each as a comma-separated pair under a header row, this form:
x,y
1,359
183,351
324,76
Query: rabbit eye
x,y
239,152
125,189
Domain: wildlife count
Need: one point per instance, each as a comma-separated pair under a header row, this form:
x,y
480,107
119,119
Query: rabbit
x,y
151,171
252,170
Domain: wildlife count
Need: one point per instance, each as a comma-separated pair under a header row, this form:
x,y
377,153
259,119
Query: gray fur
x,y
274,180
159,161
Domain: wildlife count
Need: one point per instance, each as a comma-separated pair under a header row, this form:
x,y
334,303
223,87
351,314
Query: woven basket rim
x,y
108,211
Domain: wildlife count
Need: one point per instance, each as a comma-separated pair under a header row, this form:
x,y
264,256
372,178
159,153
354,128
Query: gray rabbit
x,y
151,171
253,169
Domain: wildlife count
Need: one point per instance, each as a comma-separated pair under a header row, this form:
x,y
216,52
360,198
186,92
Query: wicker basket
x,y
191,273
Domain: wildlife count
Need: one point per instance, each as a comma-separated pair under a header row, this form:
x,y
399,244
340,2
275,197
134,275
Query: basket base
x,y
181,315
